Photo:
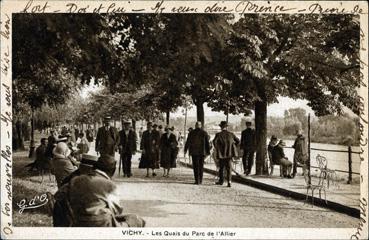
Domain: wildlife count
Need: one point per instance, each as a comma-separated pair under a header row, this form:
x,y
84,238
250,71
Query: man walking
x,y
248,146
107,139
225,146
198,145
127,147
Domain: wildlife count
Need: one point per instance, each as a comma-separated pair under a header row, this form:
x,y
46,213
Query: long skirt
x,y
168,157
150,160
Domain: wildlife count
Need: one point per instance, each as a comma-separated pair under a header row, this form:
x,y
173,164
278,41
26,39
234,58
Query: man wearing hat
x,y
248,146
301,153
107,139
225,144
279,157
127,147
51,142
92,198
272,143
198,145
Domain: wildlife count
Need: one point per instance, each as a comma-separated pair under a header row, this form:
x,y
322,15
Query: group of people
x,y
159,149
277,156
86,195
60,153
226,148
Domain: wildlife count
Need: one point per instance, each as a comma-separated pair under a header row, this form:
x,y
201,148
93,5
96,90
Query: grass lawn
x,y
27,186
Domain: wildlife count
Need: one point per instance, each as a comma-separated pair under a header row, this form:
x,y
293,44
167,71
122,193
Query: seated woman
x,y
278,156
62,163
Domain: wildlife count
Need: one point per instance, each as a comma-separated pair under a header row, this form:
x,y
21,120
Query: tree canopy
x,y
150,63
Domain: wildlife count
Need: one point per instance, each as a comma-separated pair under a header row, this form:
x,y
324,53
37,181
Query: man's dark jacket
x,y
198,143
129,145
248,139
107,140
225,144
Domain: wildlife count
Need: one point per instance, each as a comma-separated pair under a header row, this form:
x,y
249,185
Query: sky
x,y
275,110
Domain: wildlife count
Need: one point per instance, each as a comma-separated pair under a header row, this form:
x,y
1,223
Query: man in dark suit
x,y
198,145
127,147
225,144
107,139
248,145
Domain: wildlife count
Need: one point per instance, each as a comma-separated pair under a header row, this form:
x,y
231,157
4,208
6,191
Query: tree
x,y
289,55
180,54
50,55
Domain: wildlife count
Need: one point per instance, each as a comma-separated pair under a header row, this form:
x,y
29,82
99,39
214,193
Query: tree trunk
x,y
95,128
167,117
32,143
261,137
19,144
134,124
200,112
185,126
25,130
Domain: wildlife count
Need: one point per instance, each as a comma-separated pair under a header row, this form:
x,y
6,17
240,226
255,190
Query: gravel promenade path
x,y
177,202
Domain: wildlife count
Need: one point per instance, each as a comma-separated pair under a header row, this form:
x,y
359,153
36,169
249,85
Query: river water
x,y
336,160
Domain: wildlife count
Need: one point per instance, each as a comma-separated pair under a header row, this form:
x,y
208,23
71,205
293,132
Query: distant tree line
x,y
335,129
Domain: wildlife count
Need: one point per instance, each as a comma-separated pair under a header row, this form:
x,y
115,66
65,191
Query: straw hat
x,y
88,160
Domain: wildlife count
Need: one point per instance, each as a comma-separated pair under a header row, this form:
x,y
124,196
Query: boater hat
x,y
88,160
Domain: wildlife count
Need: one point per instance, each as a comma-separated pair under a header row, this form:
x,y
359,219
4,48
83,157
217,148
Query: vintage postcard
x,y
184,119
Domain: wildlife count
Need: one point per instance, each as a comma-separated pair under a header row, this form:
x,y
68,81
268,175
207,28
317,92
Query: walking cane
x,y
120,163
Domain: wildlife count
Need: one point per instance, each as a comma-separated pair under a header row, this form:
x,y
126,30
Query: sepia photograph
x,y
187,119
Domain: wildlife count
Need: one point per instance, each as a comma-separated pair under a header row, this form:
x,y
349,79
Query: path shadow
x,y
147,208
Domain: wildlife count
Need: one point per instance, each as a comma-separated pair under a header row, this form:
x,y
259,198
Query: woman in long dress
x,y
150,150
169,150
